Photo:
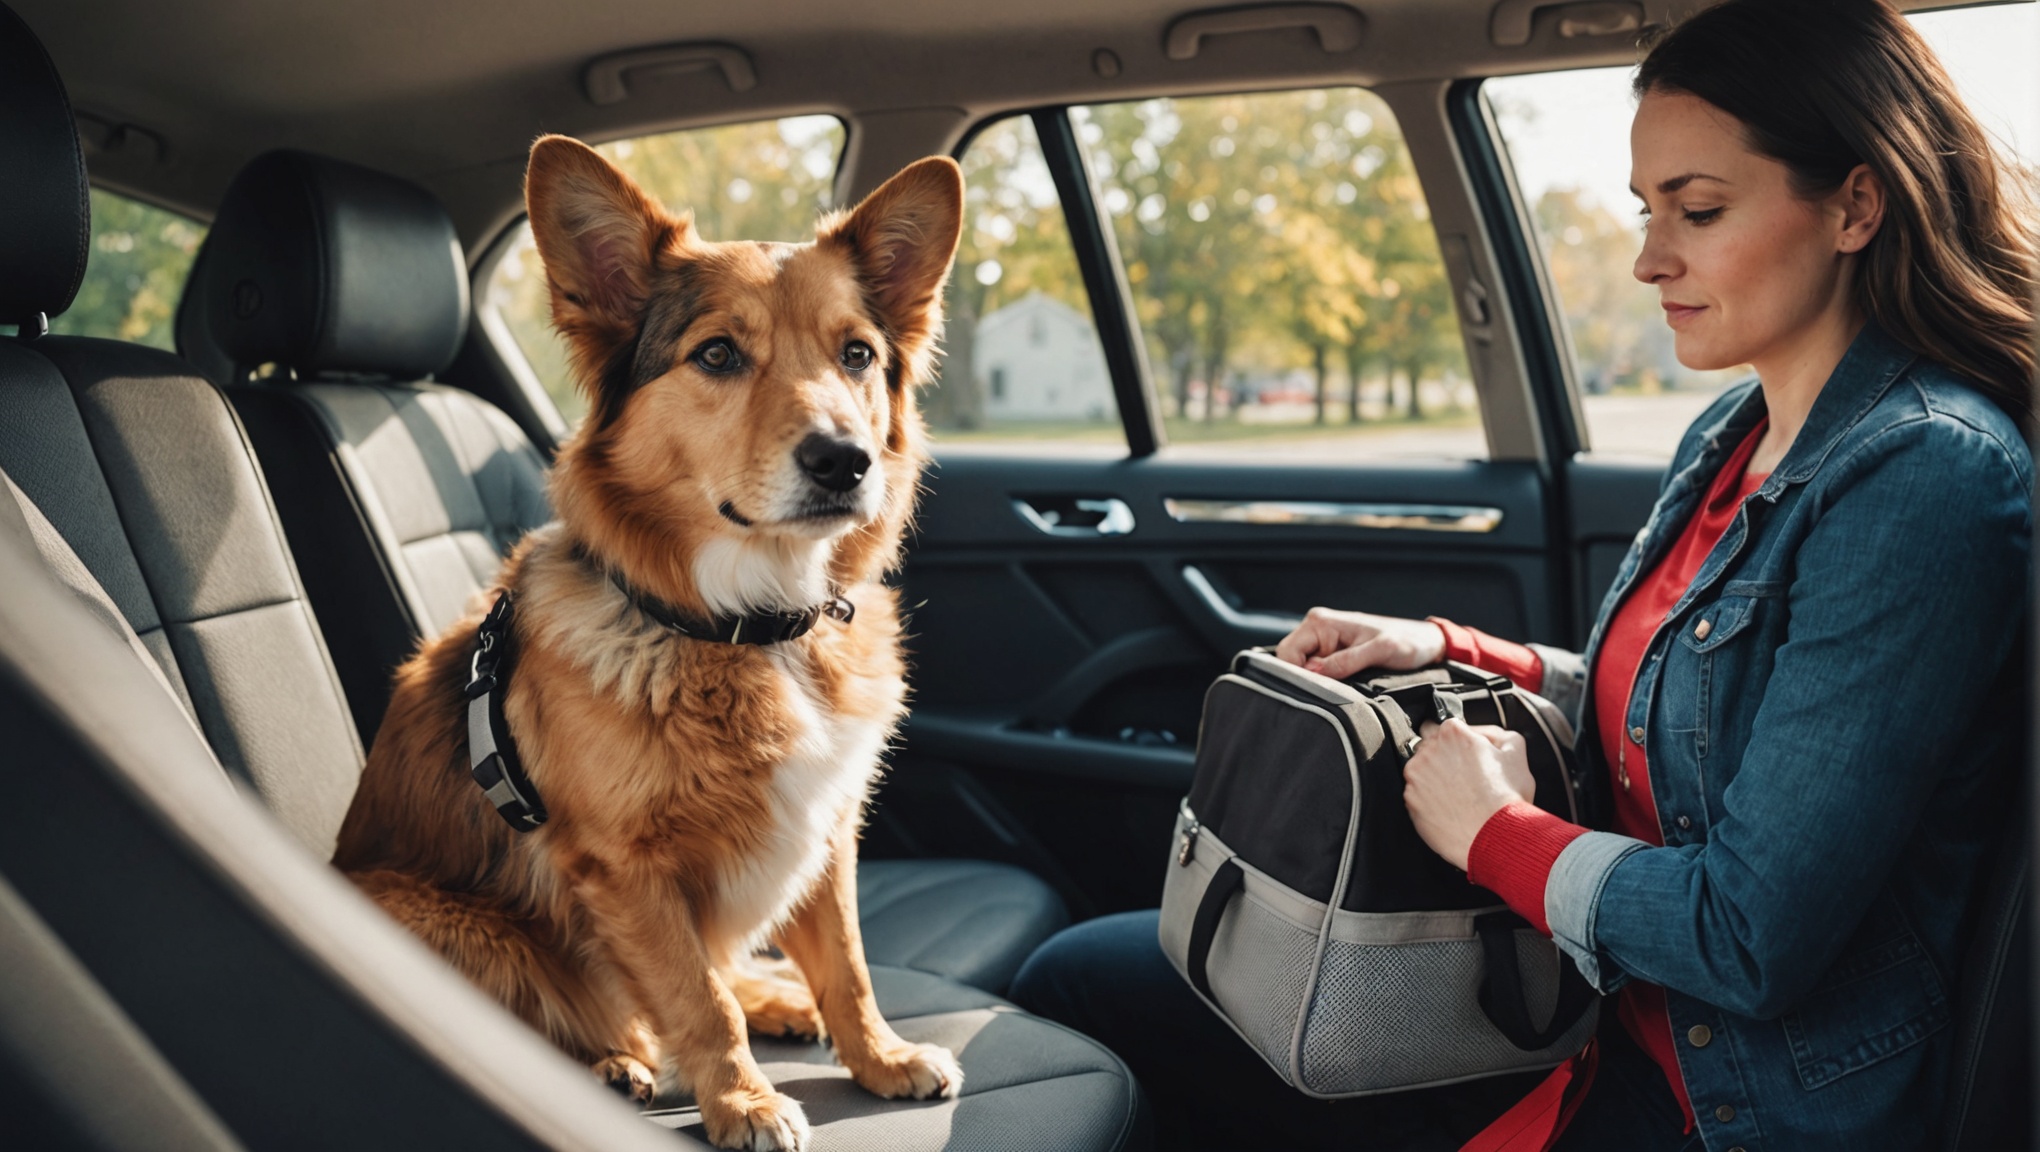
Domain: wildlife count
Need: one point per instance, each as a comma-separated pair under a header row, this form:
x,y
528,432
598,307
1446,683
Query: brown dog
x,y
752,446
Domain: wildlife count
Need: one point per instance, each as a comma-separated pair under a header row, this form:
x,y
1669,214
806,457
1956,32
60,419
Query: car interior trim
x,y
1291,513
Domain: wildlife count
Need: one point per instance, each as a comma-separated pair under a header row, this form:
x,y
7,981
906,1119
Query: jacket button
x,y
1687,822
1701,629
1636,733
1699,1035
1725,1113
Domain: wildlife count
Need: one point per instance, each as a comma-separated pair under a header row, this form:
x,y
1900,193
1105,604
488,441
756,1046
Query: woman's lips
x,y
1678,314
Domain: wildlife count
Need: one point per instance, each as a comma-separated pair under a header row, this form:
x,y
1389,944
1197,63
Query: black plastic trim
x,y
1104,279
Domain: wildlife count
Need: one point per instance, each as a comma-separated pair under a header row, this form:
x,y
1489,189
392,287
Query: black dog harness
x,y
492,753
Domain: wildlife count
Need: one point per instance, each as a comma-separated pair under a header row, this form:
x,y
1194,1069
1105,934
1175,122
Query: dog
x,y
751,453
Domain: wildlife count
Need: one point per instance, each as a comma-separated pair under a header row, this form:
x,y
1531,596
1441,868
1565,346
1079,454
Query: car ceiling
x,y
451,92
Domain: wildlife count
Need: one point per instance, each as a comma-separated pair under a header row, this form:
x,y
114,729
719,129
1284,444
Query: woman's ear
x,y
1860,200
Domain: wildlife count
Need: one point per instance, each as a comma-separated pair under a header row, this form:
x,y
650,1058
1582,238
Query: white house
x,y
1039,359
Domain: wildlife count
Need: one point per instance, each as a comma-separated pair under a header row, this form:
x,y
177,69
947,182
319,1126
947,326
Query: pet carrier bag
x,y
1304,908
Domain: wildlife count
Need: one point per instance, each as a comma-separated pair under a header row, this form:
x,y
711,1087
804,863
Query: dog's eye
x,y
718,355
857,355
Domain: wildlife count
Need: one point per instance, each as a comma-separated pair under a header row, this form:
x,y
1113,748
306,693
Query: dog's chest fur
x,y
753,759
826,775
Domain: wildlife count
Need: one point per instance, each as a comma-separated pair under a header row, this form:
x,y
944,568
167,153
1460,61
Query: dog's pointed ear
x,y
902,239
599,235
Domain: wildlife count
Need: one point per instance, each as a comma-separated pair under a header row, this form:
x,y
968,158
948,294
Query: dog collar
x,y
746,628
492,753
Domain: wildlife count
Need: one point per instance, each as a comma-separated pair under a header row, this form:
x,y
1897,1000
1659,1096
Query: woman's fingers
x,y
1322,631
1359,658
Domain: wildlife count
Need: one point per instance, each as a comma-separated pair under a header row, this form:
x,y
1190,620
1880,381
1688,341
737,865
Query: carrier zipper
x,y
1188,851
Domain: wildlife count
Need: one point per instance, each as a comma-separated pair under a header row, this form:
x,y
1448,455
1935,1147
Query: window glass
x,y
134,273
766,180
1567,134
1022,365
1287,277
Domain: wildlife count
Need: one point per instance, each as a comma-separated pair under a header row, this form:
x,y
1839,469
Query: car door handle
x,y
1262,623
1075,515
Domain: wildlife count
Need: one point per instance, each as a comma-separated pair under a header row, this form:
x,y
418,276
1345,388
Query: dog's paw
x,y
792,1016
756,1122
628,1077
911,1071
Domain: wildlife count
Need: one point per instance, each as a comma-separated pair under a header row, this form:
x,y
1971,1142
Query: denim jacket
x,y
1831,714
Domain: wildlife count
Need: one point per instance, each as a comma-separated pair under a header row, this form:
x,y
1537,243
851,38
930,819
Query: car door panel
x,y
1058,676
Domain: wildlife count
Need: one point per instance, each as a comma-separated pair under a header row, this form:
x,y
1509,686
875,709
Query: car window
x,y
765,180
1286,275
134,273
1022,365
1567,135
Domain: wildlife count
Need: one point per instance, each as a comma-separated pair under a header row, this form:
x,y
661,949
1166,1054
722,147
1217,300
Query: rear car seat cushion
x,y
143,470
972,921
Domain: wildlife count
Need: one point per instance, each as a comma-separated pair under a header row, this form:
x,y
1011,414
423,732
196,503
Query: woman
x,y
1802,692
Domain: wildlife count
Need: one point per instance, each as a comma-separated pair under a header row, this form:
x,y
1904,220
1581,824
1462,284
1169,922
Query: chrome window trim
x,y
1379,517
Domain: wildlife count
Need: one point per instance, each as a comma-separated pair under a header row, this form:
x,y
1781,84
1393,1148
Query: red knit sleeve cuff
x,y
1522,666
1513,854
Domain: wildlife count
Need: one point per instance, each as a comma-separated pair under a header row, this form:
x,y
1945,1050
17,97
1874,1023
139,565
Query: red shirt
x,y
1517,847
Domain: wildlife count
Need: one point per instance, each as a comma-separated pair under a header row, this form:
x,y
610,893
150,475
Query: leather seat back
x,y
401,495
142,468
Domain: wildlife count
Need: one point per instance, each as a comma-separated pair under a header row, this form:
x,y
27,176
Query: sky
x,y
1571,129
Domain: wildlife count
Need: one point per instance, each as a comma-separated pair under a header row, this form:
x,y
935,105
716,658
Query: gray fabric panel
x,y
255,676
447,482
28,523
44,448
971,921
444,577
60,1031
189,496
507,472
1027,1083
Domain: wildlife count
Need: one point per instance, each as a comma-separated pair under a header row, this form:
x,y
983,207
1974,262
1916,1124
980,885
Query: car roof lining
x,y
451,92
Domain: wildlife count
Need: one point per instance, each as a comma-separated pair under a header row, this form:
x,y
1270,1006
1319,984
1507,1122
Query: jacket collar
x,y
1866,372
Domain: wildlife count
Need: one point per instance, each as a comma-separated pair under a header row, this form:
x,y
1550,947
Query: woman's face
x,y
1744,267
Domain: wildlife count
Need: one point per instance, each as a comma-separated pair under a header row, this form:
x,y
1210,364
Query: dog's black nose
x,y
835,464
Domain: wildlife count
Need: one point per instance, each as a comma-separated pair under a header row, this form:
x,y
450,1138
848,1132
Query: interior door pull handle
x,y
1207,592
1076,515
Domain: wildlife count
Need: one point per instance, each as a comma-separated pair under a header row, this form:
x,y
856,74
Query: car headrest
x,y
45,202
325,267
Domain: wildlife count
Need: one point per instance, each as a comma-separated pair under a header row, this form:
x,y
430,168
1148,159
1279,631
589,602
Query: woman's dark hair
x,y
1824,85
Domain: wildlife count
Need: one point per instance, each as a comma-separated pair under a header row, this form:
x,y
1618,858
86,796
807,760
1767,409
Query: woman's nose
x,y
1654,262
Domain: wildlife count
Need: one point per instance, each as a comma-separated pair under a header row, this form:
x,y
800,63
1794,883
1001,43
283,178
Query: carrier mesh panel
x,y
1260,964
1390,1016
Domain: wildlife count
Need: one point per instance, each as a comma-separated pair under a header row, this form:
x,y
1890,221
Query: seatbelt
x,y
492,752
1534,1123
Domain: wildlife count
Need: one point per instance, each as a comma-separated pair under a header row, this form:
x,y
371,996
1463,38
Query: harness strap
x,y
492,752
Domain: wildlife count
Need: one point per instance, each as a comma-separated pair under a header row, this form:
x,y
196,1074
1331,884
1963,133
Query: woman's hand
x,y
1460,776
1339,644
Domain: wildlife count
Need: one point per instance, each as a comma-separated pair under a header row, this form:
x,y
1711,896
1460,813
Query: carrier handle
x,y
1227,882
1501,986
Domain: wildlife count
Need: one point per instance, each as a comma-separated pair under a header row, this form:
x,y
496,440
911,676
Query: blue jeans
x,y
1108,979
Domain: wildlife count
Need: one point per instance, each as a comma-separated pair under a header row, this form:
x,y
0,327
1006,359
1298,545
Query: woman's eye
x,y
857,356
1702,215
718,355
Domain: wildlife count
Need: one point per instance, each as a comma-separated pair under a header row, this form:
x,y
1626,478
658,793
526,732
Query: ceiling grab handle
x,y
1338,27
604,79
